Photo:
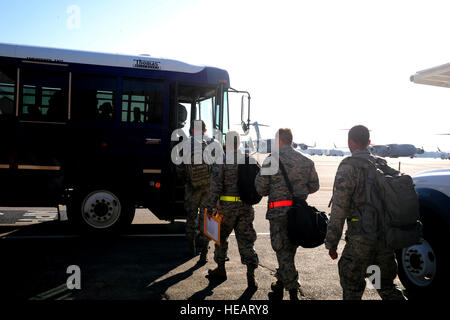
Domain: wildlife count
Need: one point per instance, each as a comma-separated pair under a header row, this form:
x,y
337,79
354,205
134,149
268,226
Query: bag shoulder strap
x,y
286,179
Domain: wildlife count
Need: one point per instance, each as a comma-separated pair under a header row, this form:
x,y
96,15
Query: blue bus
x,y
92,131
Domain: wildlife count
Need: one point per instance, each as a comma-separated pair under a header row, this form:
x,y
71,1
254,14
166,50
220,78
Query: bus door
x,y
143,134
39,136
194,102
36,137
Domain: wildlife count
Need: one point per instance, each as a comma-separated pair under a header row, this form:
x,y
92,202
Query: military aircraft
x,y
265,145
259,145
334,152
302,146
444,155
395,150
314,152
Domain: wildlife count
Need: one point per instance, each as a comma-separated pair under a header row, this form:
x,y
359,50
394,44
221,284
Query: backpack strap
x,y
358,162
365,165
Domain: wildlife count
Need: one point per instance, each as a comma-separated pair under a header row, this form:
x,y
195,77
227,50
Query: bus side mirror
x,y
242,110
245,126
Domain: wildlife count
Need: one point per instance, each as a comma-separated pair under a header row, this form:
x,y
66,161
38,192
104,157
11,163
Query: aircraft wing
x,y
437,76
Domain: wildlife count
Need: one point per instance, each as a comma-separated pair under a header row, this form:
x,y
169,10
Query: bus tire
x,y
100,211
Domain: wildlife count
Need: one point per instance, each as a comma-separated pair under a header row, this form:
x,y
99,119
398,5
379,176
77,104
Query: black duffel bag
x,y
307,226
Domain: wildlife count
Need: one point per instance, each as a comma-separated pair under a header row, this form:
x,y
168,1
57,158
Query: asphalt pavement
x,y
150,260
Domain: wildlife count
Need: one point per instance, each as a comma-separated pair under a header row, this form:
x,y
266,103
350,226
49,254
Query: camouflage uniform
x,y
359,253
194,204
304,180
236,215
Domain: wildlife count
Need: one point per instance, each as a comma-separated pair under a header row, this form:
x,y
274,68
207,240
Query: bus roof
x,y
437,76
54,55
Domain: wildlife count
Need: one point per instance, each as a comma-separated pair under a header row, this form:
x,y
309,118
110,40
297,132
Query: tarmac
x,y
150,260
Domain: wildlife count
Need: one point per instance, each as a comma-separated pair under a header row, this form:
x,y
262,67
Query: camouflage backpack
x,y
391,207
198,174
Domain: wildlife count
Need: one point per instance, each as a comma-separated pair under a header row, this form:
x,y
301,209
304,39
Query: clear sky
x,y
315,66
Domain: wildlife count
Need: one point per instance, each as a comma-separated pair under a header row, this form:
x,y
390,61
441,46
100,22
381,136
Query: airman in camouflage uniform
x,y
359,253
304,179
237,216
195,196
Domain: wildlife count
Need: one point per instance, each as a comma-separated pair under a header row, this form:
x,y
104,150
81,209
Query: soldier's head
x,y
197,123
232,140
283,137
358,138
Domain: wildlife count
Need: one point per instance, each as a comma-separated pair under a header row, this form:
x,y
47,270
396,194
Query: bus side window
x,y
93,97
142,101
44,95
7,91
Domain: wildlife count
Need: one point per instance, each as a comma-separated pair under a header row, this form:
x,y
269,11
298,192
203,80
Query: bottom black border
x,y
228,309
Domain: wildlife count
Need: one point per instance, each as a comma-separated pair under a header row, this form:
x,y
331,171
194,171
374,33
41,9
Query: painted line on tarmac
x,y
52,293
38,237
163,235
174,235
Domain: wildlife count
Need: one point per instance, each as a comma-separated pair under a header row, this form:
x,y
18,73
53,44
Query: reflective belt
x,y
282,203
355,220
230,199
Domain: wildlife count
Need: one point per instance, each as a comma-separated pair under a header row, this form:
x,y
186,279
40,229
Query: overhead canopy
x,y
437,76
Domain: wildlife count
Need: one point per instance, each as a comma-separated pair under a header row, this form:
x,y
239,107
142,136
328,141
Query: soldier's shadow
x,y
247,294
159,288
206,292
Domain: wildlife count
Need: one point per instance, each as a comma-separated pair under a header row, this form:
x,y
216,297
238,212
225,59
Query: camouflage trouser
x,y
194,203
239,217
357,256
285,251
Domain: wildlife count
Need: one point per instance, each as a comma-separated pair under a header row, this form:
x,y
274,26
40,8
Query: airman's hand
x,y
209,211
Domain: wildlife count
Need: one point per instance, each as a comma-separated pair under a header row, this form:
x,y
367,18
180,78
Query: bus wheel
x,y
100,211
